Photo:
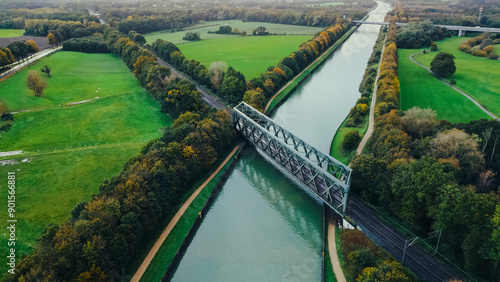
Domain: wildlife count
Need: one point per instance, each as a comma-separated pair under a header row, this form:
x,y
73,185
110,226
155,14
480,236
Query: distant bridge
x,y
461,29
326,177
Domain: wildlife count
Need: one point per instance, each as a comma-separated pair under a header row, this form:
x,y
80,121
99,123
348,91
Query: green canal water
x,y
264,226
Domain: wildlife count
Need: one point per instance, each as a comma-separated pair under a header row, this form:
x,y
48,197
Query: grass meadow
x,y
92,140
4,33
204,27
420,88
250,55
478,77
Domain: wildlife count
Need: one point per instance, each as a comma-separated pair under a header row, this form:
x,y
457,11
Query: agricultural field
x,y
70,149
420,88
204,27
478,77
4,33
250,55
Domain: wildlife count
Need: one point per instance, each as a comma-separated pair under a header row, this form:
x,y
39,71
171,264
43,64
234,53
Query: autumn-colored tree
x,y
269,85
51,39
36,83
255,98
32,46
95,274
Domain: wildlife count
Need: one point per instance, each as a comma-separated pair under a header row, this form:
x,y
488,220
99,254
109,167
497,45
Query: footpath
x,y
138,275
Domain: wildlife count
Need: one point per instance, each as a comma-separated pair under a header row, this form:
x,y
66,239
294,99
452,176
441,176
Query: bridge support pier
x,y
461,33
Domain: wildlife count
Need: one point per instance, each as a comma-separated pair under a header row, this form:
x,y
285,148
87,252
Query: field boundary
x,y
173,222
455,88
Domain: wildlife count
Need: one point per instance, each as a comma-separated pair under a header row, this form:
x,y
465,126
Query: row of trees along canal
x,y
108,232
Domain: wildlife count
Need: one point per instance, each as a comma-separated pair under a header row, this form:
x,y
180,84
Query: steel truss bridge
x,y
323,175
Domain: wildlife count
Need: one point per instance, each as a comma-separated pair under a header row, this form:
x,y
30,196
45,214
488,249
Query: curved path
x,y
371,118
458,90
332,249
138,275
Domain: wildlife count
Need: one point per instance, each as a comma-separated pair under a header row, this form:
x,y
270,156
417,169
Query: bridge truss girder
x,y
326,177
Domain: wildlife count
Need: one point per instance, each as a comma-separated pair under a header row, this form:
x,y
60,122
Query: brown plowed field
x,y
41,41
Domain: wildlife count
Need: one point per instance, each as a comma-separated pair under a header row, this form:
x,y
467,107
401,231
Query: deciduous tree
x,y
443,65
36,83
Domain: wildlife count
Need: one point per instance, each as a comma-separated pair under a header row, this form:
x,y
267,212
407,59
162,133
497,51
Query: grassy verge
x,y
329,274
285,92
166,253
336,150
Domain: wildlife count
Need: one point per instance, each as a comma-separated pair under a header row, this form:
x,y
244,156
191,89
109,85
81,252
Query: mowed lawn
x,y
75,77
250,55
420,88
478,77
92,140
204,27
4,33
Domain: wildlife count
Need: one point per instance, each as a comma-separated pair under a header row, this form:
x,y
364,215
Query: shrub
x,y
480,53
434,47
351,140
493,56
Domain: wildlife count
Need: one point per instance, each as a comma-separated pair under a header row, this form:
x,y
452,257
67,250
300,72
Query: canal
x,y
264,226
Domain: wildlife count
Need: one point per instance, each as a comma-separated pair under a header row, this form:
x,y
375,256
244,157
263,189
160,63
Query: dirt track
x,y
41,41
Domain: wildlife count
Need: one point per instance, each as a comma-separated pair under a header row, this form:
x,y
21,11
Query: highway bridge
x,y
461,29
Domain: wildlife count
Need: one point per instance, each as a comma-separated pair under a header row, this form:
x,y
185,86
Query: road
x,y
37,56
458,90
207,98
420,262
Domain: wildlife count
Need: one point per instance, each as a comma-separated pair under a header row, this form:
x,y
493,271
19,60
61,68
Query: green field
x,y
75,77
478,77
204,27
250,55
4,33
92,141
420,88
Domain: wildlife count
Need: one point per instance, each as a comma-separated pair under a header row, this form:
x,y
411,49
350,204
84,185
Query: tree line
x,y
62,30
16,18
419,34
106,234
464,12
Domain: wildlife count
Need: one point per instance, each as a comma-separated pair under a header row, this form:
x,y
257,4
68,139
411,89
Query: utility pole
x,y
439,239
411,242
480,12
